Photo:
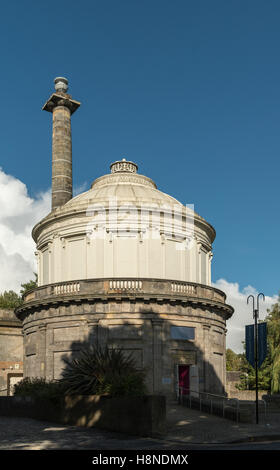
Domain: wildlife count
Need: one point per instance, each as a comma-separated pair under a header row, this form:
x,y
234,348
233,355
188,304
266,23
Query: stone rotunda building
x,y
125,265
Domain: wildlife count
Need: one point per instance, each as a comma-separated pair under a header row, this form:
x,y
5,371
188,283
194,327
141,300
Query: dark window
x,y
182,332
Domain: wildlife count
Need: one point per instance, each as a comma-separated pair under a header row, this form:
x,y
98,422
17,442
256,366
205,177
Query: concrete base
x,y
142,416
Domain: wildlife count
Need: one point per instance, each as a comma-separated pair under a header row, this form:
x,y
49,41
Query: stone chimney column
x,y
61,105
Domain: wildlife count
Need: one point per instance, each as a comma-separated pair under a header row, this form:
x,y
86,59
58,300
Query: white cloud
x,y
243,313
18,214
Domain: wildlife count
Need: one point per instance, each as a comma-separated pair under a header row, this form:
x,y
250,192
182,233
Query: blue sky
x,y
187,89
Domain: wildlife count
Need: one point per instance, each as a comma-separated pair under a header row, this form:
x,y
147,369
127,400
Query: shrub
x,y
37,387
99,371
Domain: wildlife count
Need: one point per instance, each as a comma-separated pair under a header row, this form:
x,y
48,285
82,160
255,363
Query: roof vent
x,y
123,166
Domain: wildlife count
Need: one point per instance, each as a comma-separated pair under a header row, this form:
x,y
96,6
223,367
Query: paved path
x,y
185,429
30,434
193,426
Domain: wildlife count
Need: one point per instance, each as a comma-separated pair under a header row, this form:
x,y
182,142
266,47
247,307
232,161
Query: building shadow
x,y
161,363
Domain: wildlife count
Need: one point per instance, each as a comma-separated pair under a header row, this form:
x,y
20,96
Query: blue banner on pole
x,y
250,343
262,343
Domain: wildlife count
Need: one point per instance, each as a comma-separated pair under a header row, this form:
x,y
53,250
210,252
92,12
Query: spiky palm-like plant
x,y
102,371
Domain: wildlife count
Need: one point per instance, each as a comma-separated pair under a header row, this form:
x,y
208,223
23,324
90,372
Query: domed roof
x,y
123,185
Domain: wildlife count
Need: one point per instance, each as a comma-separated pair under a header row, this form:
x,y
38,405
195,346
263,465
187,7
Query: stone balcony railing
x,y
130,288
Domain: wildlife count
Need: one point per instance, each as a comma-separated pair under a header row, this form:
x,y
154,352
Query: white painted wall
x,y
78,257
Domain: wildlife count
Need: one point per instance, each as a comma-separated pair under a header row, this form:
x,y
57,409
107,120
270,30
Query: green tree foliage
x,y
236,362
10,300
248,378
98,371
273,324
32,284
269,372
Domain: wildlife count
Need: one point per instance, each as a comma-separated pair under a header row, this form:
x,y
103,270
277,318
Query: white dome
x,y
125,187
123,227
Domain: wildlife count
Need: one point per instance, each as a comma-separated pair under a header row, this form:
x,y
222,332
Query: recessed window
x,y
182,332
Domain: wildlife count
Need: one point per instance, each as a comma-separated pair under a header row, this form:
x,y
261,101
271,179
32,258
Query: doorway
x,y
184,379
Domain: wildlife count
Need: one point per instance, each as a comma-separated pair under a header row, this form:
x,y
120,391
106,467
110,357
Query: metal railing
x,y
203,397
265,406
260,401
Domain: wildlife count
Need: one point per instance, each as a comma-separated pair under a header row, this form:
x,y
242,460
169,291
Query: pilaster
x,y
157,354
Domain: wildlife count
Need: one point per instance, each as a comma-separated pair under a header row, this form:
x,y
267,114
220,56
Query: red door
x,y
184,379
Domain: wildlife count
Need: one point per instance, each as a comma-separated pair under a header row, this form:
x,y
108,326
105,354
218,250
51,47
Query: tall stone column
x,y
61,105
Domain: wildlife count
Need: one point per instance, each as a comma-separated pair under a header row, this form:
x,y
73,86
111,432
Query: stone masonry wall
x,y
141,328
11,351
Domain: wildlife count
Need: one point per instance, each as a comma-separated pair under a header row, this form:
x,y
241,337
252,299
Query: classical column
x,y
61,105
92,332
102,334
210,256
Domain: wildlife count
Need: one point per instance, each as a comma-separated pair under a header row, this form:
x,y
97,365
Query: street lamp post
x,y
256,316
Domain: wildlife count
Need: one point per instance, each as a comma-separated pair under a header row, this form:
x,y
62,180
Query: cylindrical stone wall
x,y
150,329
